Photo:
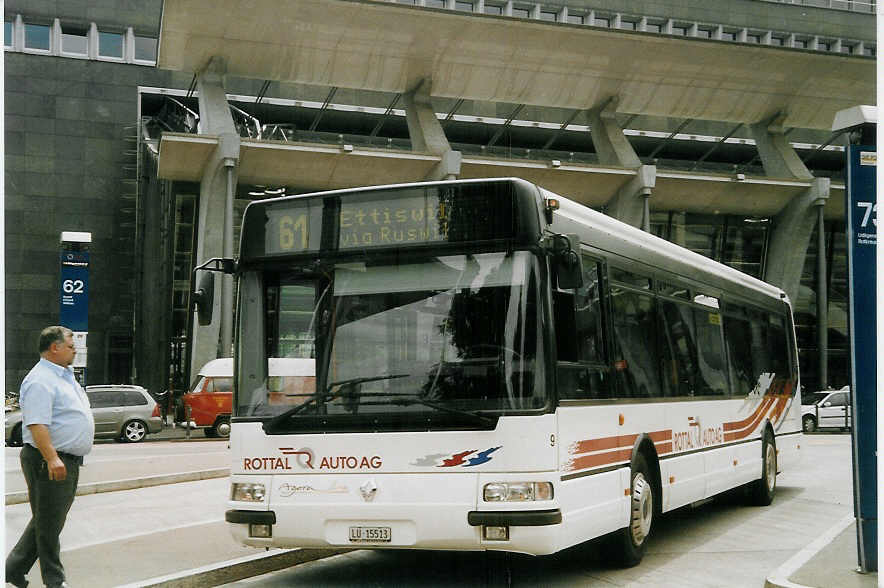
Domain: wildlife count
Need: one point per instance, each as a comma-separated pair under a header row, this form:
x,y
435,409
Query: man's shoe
x,y
18,582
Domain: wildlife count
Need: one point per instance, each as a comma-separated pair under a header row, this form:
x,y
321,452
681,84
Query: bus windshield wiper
x,y
410,400
331,392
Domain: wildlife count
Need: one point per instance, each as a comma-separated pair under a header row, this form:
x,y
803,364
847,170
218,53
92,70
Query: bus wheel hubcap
x,y
642,509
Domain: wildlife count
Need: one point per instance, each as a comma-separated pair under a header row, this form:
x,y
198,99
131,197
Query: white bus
x,y
496,368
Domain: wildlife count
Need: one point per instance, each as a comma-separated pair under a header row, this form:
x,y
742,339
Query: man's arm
x,y
43,441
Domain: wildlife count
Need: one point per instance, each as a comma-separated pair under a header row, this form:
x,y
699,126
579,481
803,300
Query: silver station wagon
x,y
127,413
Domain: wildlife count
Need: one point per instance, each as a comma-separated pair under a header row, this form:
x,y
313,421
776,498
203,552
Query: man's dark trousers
x,y
50,502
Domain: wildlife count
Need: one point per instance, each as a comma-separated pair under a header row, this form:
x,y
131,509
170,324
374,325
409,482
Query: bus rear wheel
x,y
627,546
761,491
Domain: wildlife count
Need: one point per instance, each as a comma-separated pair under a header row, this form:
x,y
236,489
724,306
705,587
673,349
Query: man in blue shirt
x,y
57,432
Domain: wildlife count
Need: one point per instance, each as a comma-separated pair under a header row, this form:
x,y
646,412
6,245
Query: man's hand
x,y
43,441
56,468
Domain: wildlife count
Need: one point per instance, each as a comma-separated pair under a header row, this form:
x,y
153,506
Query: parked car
x,y
127,413
210,399
826,408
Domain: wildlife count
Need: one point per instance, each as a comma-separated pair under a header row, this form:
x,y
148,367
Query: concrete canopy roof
x,y
388,47
314,167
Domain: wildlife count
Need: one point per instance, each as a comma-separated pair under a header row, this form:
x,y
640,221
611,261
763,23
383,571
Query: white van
x,y
209,402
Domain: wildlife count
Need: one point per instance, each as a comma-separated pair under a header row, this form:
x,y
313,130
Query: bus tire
x,y
761,491
629,543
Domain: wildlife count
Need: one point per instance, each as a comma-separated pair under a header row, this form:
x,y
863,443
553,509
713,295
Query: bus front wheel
x,y
628,544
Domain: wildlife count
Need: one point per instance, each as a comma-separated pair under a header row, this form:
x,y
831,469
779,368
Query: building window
x,y
602,21
800,43
654,27
728,36
824,45
679,30
74,40
465,6
520,12
629,25
110,45
575,18
778,41
753,38
7,33
548,16
493,9
435,3
145,48
704,33
37,37
869,50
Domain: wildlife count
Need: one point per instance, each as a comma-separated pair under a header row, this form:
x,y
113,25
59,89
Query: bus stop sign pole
x,y
861,206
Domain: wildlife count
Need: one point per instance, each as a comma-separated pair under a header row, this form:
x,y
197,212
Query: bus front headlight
x,y
247,492
517,491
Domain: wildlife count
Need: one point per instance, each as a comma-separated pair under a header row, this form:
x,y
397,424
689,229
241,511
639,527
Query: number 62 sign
x,y
74,308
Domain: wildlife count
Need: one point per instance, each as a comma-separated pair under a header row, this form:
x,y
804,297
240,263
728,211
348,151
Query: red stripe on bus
x,y
763,406
599,459
605,443
663,447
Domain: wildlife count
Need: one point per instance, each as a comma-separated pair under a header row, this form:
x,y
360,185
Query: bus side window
x,y
712,374
582,370
678,349
636,362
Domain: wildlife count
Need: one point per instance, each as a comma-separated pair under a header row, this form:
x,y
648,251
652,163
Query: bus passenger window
x,y
711,364
678,349
582,369
635,361
589,316
738,333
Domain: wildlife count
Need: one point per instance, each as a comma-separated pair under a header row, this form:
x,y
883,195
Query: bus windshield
x,y
448,338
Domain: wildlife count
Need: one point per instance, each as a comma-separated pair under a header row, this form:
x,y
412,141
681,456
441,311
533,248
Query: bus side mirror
x,y
566,261
204,298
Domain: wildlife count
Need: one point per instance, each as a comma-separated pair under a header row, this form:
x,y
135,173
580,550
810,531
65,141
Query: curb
x,y
779,578
237,569
131,483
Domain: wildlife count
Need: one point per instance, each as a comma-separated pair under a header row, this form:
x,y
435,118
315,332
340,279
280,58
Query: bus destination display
x,y
388,219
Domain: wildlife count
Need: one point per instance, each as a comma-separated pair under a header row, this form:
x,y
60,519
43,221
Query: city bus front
x,y
427,423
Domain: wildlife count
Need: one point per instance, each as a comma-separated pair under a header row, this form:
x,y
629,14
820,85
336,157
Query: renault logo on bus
x,y
368,489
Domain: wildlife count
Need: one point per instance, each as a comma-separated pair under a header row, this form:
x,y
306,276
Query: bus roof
x,y
609,234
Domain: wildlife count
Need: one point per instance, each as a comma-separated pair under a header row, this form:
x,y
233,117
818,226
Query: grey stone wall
x,y
70,162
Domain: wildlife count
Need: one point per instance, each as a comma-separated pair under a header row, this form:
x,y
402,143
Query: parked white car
x,y
825,409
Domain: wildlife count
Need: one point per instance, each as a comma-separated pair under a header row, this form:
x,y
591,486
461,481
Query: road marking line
x,y
143,534
780,577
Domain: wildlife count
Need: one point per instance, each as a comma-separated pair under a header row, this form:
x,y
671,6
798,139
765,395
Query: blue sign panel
x,y
861,259
74,290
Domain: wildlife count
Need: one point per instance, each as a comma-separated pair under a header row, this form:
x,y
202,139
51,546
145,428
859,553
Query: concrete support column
x,y
610,143
777,155
426,133
790,236
631,203
822,300
215,222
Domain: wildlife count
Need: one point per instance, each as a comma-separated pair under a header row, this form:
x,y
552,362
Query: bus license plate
x,y
371,534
